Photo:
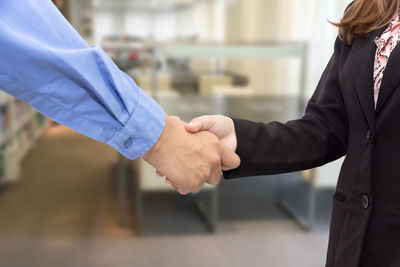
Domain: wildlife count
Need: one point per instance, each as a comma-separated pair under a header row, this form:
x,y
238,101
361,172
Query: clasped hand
x,y
190,155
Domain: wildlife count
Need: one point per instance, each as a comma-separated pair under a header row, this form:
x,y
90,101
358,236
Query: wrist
x,y
161,140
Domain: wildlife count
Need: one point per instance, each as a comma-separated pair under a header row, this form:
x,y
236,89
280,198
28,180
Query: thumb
x,y
203,123
229,159
194,126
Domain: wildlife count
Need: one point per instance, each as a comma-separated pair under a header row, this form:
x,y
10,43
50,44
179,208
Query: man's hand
x,y
189,160
221,126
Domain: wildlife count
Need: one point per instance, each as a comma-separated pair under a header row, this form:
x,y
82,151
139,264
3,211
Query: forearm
x,y
47,64
274,148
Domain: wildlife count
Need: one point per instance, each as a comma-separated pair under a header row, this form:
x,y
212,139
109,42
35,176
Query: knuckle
x,y
208,174
214,140
183,189
197,189
175,119
214,181
194,184
215,159
204,174
199,184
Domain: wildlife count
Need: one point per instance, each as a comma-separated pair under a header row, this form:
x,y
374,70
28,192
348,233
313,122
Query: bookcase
x,y
20,127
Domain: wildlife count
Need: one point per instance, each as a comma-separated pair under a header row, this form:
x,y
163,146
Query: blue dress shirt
x,y
44,62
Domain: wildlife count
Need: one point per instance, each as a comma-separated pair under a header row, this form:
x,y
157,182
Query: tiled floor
x,y
63,212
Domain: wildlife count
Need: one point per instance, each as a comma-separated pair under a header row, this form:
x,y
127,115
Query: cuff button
x,y
128,143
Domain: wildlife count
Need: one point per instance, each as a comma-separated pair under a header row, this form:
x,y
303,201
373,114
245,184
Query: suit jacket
x,y
339,120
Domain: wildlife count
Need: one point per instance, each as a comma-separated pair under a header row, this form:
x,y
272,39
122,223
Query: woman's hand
x,y
221,126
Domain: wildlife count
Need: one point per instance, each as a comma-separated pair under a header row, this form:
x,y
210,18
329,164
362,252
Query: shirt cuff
x,y
142,130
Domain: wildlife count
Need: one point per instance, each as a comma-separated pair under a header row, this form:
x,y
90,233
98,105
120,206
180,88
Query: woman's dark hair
x,y
365,16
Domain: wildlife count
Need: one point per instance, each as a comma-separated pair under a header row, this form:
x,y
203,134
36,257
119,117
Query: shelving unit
x,y
20,128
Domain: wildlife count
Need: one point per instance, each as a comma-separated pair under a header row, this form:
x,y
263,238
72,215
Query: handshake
x,y
190,155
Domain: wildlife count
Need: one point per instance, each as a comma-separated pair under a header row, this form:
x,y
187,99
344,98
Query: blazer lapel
x,y
391,78
363,54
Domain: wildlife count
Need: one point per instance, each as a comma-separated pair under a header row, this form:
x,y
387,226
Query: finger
x,y
168,181
159,174
193,126
229,159
203,123
197,189
215,176
183,191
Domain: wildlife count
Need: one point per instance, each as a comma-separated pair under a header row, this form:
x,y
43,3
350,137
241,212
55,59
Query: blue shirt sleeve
x,y
45,62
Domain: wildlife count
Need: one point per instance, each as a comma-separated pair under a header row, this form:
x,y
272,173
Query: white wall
x,y
138,24
194,20
160,25
164,26
219,20
184,22
301,20
102,26
262,21
325,35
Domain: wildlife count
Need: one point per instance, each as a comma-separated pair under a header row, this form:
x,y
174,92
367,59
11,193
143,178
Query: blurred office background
x,y
66,200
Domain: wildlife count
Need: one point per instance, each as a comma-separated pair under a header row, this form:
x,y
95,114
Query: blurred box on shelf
x,y
145,82
207,82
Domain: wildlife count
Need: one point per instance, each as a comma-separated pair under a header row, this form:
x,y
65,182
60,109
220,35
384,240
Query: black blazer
x,y
340,119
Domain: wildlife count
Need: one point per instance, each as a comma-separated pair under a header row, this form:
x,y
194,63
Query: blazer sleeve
x,y
317,138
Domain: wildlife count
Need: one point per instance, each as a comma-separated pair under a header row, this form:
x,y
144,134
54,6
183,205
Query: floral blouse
x,y
385,45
